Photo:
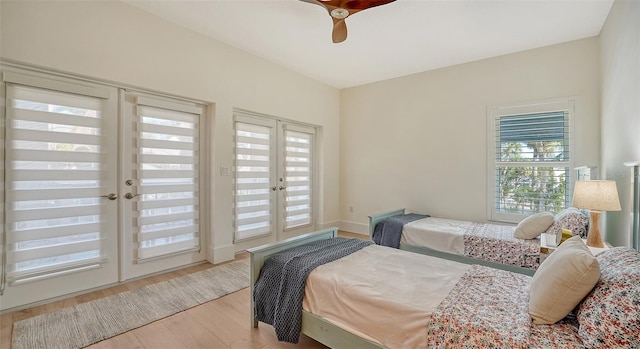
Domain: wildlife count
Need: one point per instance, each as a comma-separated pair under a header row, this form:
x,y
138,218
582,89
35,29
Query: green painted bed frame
x,y
313,326
375,219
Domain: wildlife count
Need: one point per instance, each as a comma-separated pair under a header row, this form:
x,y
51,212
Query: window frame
x,y
493,113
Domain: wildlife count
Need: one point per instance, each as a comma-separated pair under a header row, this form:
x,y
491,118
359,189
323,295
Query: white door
x,y
161,180
274,180
60,230
255,181
296,184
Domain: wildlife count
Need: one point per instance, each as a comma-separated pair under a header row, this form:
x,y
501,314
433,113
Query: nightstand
x,y
548,245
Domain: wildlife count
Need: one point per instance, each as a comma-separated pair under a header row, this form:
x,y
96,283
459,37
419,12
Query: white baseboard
x,y
354,227
328,225
221,254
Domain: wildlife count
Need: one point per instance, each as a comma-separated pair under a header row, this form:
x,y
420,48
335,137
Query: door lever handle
x,y
282,188
131,196
111,196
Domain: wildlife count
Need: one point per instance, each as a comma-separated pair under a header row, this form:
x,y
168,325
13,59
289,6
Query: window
x,y
529,162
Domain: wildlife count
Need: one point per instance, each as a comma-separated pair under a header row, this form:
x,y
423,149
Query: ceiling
x,y
397,39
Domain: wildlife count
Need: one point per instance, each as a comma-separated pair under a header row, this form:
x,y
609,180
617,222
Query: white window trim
x,y
567,103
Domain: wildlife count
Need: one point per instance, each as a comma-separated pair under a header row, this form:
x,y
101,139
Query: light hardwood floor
x,y
221,323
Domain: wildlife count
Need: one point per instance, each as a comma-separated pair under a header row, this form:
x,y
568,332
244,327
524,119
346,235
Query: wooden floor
x,y
221,323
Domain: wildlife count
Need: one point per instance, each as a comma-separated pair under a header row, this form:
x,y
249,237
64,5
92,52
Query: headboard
x,y
377,218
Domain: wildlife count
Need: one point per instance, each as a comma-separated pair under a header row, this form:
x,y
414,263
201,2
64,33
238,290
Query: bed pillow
x,y
534,225
562,281
609,316
571,219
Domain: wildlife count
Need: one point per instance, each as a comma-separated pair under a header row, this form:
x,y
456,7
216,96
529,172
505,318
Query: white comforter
x,y
382,294
441,234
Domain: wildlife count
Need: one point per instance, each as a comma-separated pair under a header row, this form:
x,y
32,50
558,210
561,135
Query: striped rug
x,y
88,323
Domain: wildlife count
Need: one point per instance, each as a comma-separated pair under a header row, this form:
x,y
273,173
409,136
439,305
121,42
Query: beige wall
x,y
420,142
620,52
117,42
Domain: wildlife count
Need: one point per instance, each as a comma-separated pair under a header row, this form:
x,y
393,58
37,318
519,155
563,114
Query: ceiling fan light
x,y
339,13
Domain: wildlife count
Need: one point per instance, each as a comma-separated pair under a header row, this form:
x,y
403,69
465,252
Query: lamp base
x,y
594,238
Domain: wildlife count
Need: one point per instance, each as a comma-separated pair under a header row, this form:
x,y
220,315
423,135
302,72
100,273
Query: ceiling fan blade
x,y
339,10
339,33
355,4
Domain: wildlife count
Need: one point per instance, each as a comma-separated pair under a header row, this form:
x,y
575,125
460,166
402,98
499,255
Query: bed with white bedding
x,y
378,297
487,244
394,296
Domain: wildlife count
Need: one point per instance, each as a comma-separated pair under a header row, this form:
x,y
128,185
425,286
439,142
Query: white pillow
x,y
562,281
534,225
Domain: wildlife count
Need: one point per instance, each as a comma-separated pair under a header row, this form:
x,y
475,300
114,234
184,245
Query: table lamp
x,y
596,196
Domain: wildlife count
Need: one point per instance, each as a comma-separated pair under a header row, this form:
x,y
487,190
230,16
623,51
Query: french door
x,y
161,180
100,185
274,175
60,188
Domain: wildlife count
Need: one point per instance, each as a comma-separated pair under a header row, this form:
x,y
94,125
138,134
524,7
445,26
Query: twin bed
x,y
487,244
379,297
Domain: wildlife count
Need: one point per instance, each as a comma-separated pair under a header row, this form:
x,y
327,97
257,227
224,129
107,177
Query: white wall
x,y
117,42
420,142
620,52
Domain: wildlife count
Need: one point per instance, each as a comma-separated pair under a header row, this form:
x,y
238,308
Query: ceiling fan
x,y
339,10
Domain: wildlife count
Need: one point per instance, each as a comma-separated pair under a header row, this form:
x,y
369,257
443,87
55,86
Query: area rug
x,y
88,323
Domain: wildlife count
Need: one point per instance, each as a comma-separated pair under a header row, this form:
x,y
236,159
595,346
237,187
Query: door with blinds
x,y
162,175
274,195
295,179
60,208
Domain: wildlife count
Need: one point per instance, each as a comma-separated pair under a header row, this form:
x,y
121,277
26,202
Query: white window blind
x,y
298,177
54,180
167,208
532,162
253,159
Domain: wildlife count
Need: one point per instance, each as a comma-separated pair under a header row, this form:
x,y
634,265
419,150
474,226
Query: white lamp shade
x,y
596,195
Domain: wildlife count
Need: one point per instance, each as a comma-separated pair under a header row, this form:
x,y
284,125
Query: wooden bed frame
x,y
375,219
313,326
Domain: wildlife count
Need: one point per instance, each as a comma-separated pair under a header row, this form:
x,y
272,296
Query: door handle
x,y
274,188
131,196
282,188
111,196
